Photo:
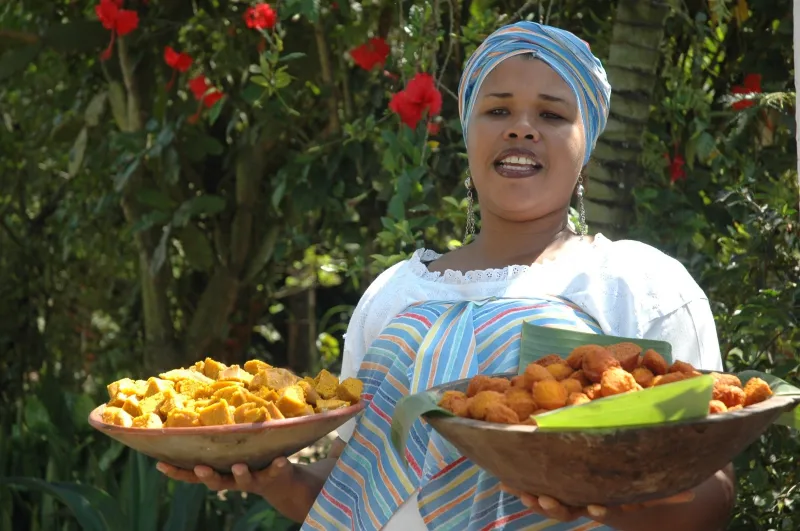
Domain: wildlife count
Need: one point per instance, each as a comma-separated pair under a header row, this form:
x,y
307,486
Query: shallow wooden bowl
x,y
220,447
608,467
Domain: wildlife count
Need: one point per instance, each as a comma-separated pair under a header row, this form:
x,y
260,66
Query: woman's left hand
x,y
552,508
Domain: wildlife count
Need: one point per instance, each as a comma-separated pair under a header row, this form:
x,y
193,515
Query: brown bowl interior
x,y
220,447
608,467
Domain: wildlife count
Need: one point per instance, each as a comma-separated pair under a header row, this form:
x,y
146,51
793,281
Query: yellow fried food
x,y
501,414
576,399
521,402
581,377
597,361
682,366
455,402
479,404
572,385
485,383
550,394
655,362
726,379
544,361
616,381
627,354
210,393
729,395
715,406
593,391
670,378
756,390
536,373
560,371
643,376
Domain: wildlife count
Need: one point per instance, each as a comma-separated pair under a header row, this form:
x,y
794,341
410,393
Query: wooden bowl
x,y
608,467
220,447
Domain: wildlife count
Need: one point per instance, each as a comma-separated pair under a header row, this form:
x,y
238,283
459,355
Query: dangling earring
x,y
470,230
583,229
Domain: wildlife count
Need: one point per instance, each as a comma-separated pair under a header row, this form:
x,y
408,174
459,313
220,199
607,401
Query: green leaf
x,y
277,194
154,198
406,412
95,109
121,179
172,166
196,247
539,341
215,111
261,81
94,509
185,507
119,104
262,516
396,207
160,253
16,60
203,204
683,400
77,153
291,57
282,79
80,36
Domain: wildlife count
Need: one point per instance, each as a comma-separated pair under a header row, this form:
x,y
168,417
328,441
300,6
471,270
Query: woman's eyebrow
x,y
545,97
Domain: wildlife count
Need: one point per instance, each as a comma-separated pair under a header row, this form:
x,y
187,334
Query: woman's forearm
x,y
297,498
708,511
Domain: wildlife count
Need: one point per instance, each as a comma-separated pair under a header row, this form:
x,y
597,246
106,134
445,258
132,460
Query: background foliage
x,y
137,233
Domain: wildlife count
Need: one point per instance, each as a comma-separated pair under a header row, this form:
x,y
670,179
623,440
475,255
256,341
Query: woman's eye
x,y
551,116
498,112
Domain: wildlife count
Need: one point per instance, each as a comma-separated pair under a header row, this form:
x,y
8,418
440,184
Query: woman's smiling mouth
x,y
517,163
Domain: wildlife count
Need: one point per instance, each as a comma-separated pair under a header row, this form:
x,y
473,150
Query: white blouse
x,y
631,289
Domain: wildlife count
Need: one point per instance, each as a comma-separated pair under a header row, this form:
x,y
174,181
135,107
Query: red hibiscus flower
x,y
433,128
676,171
419,95
179,62
260,16
371,54
203,91
752,85
119,21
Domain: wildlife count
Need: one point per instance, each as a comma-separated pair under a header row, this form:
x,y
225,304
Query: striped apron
x,y
432,343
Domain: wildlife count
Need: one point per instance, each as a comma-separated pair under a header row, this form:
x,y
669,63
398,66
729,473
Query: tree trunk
x,y
302,337
632,68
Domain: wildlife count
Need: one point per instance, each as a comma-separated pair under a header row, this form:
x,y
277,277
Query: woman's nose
x,y
522,129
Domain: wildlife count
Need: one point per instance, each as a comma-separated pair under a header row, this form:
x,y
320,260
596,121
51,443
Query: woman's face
x,y
526,141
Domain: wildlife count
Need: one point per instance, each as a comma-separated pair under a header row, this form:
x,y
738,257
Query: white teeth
x,y
522,161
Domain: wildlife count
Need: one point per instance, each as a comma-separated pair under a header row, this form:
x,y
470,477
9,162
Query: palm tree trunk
x,y
632,68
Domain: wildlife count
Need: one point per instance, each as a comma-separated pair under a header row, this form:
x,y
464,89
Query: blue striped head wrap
x,y
565,53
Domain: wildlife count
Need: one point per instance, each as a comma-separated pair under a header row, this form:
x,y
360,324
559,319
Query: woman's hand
x,y
269,483
552,508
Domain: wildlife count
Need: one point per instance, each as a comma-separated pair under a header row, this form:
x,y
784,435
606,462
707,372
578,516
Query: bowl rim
x,y
96,421
773,402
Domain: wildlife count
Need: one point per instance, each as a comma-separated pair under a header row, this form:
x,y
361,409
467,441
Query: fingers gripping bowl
x,y
214,415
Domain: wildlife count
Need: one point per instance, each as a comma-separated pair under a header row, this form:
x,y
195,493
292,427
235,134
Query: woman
x,y
533,100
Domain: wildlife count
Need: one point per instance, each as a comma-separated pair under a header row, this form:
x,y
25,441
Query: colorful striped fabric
x,y
565,53
429,344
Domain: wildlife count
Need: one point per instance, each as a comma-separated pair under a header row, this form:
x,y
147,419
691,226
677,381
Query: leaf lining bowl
x,y
608,466
220,447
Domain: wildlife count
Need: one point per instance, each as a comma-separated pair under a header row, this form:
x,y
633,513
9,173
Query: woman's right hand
x,y
271,483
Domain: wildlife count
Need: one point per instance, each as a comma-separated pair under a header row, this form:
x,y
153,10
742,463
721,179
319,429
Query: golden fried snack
x,y
151,420
536,373
616,381
181,418
216,414
682,366
212,368
234,373
455,402
311,394
519,382
593,391
125,386
117,416
597,361
256,366
560,371
729,395
521,401
549,394
726,379
715,406
480,403
572,385
576,399
292,402
501,414
581,377
655,362
330,405
627,354
351,388
157,385
756,390
477,384
736,408
643,376
575,358
549,360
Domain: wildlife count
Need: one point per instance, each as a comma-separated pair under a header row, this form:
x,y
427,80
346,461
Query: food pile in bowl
x,y
590,372
209,393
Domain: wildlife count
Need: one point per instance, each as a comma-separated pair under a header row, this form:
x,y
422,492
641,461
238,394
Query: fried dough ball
x,y
682,366
572,385
617,381
576,399
521,401
726,379
519,382
756,390
549,394
560,371
735,408
455,402
536,373
596,362
627,354
643,376
575,358
501,414
670,378
655,362
592,391
715,406
549,360
581,377
729,395
485,383
480,403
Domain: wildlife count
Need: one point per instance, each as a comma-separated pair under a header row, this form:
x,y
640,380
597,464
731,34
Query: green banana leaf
x,y
537,342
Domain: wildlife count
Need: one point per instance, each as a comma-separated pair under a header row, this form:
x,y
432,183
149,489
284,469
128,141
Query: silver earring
x,y
470,230
583,229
